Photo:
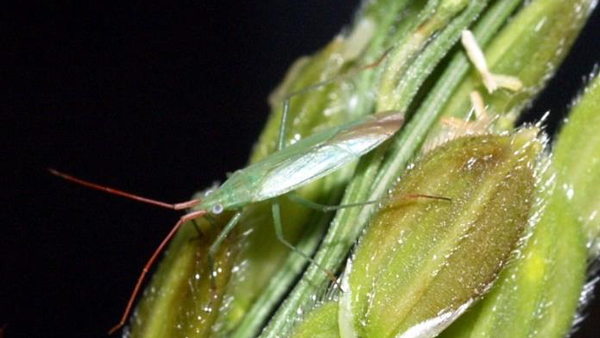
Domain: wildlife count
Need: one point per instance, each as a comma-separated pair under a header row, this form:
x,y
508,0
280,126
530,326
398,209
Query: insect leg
x,y
418,196
159,249
199,231
287,99
326,208
283,124
276,209
228,227
323,207
217,243
338,77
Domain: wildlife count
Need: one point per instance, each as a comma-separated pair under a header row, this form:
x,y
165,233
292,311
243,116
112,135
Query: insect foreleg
x,y
276,209
228,227
211,220
197,228
212,251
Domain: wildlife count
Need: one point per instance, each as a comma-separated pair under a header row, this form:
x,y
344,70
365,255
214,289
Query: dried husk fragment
x,y
530,48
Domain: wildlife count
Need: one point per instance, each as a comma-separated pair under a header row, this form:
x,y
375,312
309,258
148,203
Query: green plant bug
x,y
279,173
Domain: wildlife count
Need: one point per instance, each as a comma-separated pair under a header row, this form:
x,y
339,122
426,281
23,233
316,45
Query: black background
x,y
156,99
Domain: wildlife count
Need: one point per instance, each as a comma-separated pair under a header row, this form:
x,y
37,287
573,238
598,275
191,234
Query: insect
x,y
279,173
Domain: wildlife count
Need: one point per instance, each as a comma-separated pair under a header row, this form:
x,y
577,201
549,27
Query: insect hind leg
x,y
288,98
324,207
327,208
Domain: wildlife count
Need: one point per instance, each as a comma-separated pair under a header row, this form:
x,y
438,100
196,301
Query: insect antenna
x,y
91,185
174,206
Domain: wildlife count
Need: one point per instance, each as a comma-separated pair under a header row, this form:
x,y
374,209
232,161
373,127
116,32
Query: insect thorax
x,y
232,195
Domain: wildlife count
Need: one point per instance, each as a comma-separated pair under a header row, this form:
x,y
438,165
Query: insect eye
x,y
217,209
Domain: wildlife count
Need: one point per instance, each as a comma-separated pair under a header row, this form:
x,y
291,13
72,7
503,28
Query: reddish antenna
x,y
88,184
174,206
